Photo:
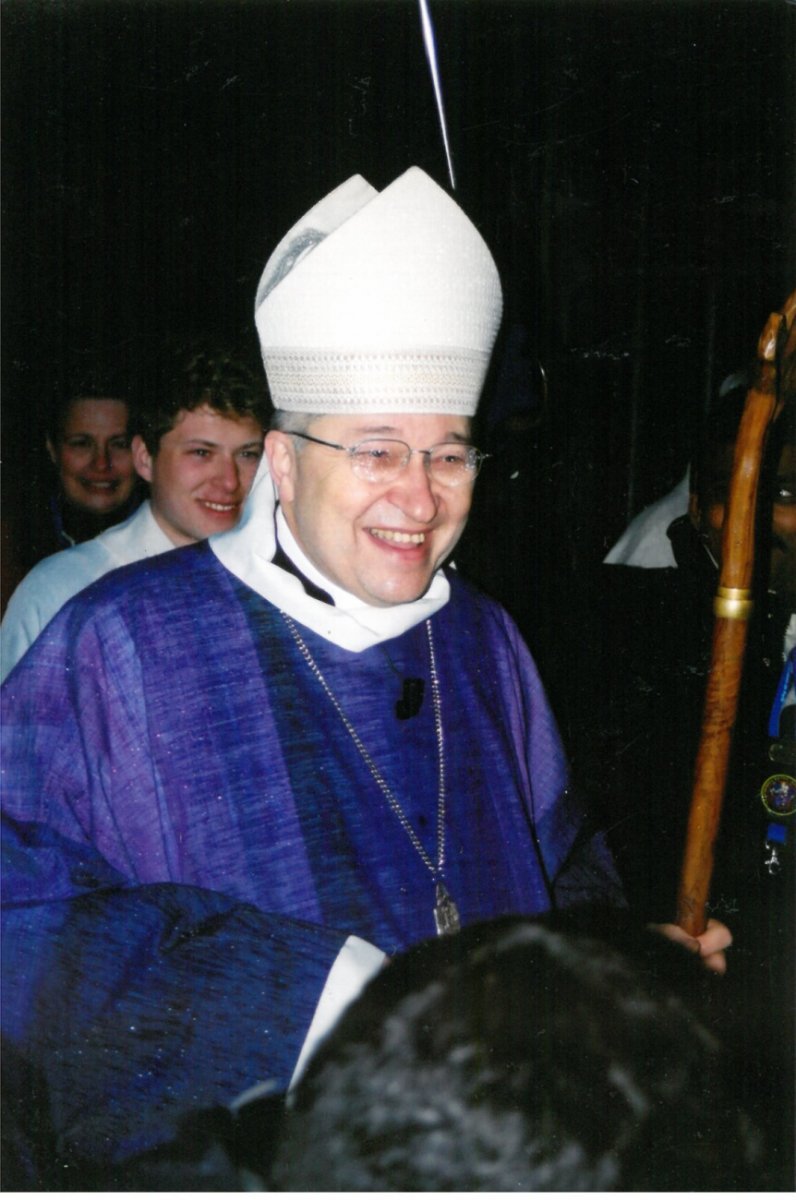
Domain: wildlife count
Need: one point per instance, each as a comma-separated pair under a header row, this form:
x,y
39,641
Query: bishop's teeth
x,y
394,535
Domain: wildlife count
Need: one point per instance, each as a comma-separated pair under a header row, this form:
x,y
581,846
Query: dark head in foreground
x,y
520,1056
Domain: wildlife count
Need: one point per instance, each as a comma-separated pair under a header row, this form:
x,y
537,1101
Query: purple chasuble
x,y
167,717
195,834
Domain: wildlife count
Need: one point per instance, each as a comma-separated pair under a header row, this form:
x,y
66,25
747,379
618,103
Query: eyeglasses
x,y
381,460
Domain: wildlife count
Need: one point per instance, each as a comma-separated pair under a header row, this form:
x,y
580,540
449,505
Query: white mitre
x,y
379,302
375,302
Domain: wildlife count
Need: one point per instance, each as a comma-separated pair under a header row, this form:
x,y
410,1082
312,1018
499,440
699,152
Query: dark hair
x,y
719,430
214,379
93,384
519,1055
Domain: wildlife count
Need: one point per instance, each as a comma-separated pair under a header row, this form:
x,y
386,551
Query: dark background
x,y
630,164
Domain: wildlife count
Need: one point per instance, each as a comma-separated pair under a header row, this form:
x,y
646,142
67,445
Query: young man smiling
x,y
198,449
310,713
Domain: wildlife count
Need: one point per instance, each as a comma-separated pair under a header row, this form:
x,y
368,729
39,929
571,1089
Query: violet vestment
x,y
167,720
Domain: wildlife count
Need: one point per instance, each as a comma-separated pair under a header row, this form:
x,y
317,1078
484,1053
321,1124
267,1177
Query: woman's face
x,y
92,455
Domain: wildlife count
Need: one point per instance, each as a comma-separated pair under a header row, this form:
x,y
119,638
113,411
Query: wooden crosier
x,y
774,374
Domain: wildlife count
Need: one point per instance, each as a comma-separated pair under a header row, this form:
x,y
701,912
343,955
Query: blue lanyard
x,y
786,680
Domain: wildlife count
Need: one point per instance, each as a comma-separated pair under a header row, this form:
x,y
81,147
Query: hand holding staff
x,y
732,606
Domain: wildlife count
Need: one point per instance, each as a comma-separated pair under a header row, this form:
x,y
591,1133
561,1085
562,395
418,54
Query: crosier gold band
x,y
733,603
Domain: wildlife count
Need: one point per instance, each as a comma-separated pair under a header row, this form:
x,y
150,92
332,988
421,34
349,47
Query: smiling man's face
x,y
201,473
381,542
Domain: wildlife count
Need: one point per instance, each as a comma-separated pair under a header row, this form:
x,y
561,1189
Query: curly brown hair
x,y
216,379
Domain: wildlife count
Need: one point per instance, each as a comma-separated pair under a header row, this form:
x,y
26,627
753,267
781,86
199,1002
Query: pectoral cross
x,y
446,914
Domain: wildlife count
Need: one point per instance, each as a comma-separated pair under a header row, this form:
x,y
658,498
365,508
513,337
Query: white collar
x,y
247,551
140,531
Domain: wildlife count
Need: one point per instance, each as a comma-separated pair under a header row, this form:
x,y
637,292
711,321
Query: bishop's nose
x,y
413,492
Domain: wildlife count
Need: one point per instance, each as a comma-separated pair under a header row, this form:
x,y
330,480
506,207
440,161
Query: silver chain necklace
x,y
446,914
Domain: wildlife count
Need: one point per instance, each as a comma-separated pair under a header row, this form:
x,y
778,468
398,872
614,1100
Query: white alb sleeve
x,y
357,963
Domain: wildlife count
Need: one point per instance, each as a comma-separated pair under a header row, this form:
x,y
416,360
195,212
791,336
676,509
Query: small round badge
x,y
778,794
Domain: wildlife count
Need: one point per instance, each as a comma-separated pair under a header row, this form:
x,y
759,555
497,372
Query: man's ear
x,y
142,459
281,453
51,451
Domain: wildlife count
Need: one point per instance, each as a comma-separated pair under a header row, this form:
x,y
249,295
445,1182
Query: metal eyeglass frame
x,y
478,456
